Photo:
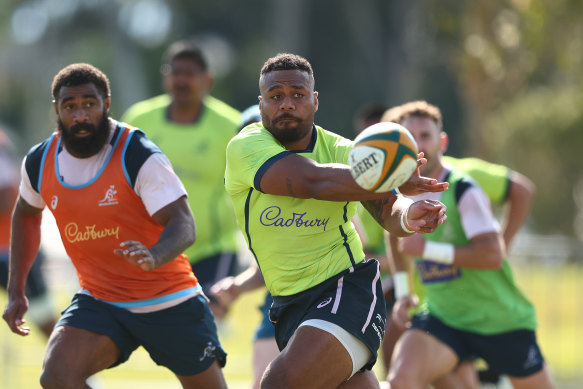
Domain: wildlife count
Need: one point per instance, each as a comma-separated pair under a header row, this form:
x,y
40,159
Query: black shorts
x,y
182,338
210,270
36,285
514,353
352,300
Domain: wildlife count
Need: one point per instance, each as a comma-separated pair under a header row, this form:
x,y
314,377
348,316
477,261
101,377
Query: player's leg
x,y
264,351
362,379
184,339
523,363
312,359
264,345
210,378
463,377
87,339
73,355
419,359
329,332
540,380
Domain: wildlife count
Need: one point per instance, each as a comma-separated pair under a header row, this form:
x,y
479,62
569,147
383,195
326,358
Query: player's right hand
x,y
14,315
417,184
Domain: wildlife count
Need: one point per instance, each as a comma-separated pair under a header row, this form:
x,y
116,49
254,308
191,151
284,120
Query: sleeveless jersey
x,y
197,153
93,219
485,301
297,243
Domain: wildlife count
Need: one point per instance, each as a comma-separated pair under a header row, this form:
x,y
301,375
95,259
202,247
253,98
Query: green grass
x,y
556,294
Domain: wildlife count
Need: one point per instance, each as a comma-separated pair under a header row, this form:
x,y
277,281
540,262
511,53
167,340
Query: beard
x,y
287,132
86,146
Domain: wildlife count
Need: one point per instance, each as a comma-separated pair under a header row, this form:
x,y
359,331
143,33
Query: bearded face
x,y
85,139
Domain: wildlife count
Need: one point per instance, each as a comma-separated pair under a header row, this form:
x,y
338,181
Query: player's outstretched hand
x,y
137,254
425,216
14,314
418,184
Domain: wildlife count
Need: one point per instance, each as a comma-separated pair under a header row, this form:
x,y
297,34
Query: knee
x,y
56,378
402,380
279,376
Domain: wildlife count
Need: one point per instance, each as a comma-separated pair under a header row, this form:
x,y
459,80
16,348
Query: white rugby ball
x,y
383,157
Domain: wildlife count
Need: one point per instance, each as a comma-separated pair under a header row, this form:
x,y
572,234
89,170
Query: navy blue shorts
x,y
265,329
36,285
352,300
514,353
182,338
212,269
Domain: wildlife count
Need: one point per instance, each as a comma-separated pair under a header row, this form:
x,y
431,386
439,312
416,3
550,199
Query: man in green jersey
x,y
472,305
504,187
294,198
193,129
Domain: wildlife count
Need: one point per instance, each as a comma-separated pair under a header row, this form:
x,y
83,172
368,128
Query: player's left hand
x,y
137,254
417,184
425,216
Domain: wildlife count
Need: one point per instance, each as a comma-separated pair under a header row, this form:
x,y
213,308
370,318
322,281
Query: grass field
x,y
556,294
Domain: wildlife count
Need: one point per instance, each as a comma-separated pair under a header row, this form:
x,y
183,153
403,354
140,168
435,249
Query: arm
x,y
520,197
400,264
229,289
301,177
484,251
178,234
24,245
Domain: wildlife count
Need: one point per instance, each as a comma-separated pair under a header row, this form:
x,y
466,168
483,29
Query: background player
x,y
193,129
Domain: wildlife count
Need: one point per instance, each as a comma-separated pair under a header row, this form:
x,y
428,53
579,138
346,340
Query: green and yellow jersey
x,y
297,243
197,153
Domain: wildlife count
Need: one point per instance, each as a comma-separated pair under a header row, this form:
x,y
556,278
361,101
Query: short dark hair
x,y
79,74
188,50
287,61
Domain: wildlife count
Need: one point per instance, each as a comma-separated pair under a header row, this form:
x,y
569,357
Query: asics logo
x,y
325,302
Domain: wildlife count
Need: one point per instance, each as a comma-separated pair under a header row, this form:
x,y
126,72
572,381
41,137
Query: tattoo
x,y
290,189
379,209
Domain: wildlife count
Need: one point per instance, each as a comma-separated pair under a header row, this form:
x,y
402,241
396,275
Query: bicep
x,y
292,175
174,212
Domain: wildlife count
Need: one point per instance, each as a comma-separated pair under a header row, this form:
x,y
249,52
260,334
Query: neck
x,y
186,113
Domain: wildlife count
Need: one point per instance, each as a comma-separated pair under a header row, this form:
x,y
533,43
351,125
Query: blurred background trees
x,y
508,75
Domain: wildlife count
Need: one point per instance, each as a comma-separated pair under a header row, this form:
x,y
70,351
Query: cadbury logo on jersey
x,y
110,197
271,216
74,233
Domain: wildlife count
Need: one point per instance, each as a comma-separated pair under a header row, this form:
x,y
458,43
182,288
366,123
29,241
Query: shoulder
x,y
461,182
34,160
146,107
333,138
138,149
222,110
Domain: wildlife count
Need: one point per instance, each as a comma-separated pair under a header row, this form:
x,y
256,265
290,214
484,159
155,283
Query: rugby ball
x,y
383,157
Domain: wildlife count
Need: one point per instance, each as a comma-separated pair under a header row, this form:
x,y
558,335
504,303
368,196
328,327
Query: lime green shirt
x,y
485,301
297,243
197,153
492,178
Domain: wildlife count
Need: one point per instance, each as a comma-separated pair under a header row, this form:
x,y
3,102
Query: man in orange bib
x,y
124,221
